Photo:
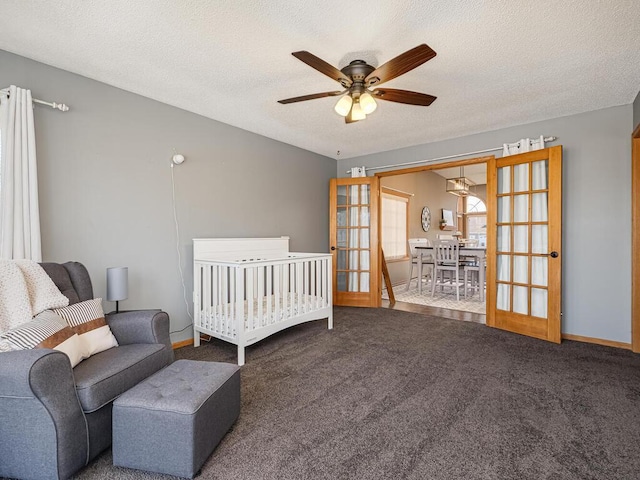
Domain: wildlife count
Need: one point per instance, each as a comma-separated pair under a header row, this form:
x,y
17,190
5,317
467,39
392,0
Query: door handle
x,y
554,254
333,248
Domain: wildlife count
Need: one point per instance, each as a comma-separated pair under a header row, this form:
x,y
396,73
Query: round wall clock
x,y
426,219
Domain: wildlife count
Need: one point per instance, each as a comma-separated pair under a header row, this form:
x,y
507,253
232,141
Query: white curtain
x,y
358,172
19,213
394,225
524,145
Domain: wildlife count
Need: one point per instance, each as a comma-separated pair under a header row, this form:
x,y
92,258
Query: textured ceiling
x,y
499,63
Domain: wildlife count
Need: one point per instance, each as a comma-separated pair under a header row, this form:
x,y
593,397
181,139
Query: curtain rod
x,y
546,139
58,106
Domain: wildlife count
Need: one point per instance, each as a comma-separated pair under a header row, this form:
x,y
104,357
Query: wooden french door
x,y
524,243
354,241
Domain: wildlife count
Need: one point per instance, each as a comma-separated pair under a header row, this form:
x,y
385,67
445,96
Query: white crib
x,y
246,289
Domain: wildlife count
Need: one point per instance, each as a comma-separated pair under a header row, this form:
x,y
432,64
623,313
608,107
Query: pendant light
x,y
459,186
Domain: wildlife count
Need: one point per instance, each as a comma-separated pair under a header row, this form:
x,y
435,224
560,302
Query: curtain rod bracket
x,y
63,107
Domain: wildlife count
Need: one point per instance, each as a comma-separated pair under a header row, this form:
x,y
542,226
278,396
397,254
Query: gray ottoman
x,y
172,421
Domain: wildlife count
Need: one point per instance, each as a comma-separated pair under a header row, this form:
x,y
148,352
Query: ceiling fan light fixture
x,y
367,103
343,106
357,77
357,113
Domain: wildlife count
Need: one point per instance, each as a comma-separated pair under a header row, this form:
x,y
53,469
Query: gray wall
x,y
105,185
596,287
636,111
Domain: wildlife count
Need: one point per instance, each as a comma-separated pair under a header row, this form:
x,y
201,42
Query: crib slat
x,y
197,309
220,323
240,282
299,287
285,289
316,291
269,293
250,297
277,279
260,297
305,288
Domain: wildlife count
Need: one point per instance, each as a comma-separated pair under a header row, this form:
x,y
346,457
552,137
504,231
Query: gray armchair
x,y
55,419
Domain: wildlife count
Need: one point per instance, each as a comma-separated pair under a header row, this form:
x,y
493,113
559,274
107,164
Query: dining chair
x,y
471,269
446,259
427,262
471,278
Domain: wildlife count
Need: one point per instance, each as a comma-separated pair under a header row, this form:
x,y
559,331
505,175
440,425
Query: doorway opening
x,y
432,214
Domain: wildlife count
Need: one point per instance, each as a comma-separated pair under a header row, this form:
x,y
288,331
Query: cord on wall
x,y
178,159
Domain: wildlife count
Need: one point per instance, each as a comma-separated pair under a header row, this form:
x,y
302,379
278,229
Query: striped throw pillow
x,y
47,330
87,320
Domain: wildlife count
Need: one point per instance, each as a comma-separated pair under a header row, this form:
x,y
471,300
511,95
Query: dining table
x,y
476,252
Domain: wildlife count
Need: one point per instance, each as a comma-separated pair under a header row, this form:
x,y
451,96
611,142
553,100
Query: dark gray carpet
x,y
391,395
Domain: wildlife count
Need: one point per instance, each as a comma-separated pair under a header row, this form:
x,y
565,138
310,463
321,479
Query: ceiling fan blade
x,y
310,97
323,67
401,64
403,96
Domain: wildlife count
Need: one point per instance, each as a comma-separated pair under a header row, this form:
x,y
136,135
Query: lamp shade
x,y
367,103
117,283
344,105
356,112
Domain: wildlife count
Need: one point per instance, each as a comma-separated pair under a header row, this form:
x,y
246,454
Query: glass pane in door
x,y
520,300
540,175
539,301
504,268
520,269
504,180
539,239
521,208
504,209
521,177
342,195
539,271
503,297
539,207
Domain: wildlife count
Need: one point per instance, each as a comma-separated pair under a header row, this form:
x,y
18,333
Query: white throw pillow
x,y
47,330
87,320
15,308
43,293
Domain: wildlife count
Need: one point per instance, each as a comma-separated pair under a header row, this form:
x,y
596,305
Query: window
x,y
395,215
475,214
475,205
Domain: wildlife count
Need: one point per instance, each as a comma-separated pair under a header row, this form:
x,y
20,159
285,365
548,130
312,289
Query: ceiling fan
x,y
358,77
